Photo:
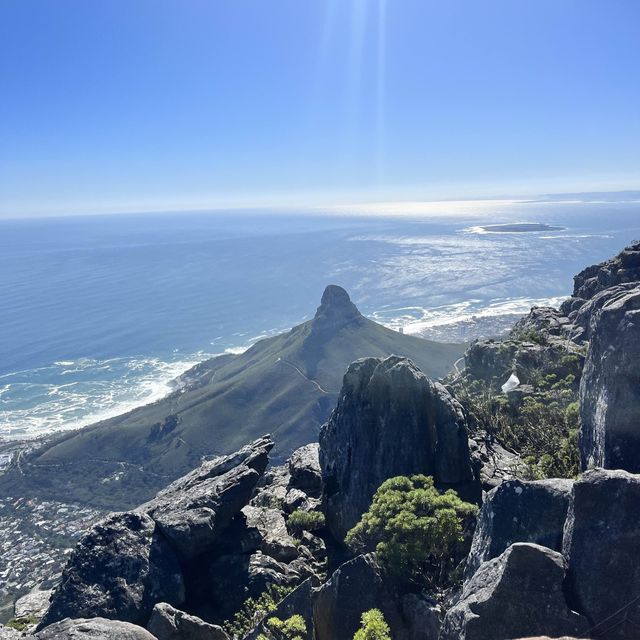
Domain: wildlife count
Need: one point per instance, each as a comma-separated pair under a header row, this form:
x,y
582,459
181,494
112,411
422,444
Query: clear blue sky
x,y
158,104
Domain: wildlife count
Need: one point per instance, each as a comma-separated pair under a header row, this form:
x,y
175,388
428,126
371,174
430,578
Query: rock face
x,y
119,570
519,593
93,629
390,420
609,398
519,511
356,587
133,560
304,468
602,547
167,623
195,509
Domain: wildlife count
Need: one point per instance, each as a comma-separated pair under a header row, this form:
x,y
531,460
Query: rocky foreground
x,y
556,557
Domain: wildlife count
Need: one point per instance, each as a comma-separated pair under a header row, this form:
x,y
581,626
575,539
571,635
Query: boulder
x,y
355,587
390,420
602,547
266,530
304,467
93,629
118,570
7,633
195,509
168,623
517,594
609,399
519,511
34,604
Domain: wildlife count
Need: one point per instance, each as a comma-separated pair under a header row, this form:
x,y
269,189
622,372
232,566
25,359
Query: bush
x,y
373,627
300,521
293,628
254,610
20,624
416,531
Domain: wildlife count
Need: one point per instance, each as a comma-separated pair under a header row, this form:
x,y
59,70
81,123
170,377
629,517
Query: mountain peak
x,y
336,307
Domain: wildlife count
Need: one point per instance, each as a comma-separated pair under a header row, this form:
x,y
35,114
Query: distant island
x,y
518,227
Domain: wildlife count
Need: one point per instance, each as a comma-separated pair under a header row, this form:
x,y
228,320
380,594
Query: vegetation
x,y
293,628
254,610
373,627
543,429
416,531
20,624
300,521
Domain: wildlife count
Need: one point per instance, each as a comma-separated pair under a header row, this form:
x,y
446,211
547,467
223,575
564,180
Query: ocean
x,y
99,314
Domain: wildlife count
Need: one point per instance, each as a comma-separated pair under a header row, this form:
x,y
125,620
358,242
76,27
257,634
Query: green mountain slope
x,y
285,385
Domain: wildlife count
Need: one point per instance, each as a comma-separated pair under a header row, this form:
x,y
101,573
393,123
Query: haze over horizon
x,y
159,106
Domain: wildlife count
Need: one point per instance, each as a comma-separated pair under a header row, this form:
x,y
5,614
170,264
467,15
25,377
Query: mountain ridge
x,y
285,385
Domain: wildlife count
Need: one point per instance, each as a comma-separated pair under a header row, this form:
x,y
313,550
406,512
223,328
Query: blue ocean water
x,y
98,314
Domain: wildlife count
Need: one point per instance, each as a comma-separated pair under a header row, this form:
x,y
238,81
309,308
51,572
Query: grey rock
x,y
7,633
119,569
423,617
625,267
195,509
168,623
304,467
602,547
93,629
268,528
517,594
355,587
519,511
34,603
609,399
390,420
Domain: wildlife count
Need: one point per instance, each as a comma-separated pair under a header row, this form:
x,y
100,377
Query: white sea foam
x,y
43,402
415,320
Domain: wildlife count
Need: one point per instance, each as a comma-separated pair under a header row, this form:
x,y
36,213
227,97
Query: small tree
x,y
300,521
373,627
254,610
416,531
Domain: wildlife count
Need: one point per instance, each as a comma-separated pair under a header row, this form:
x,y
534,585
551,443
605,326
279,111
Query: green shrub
x,y
300,521
20,624
293,628
254,610
416,531
373,627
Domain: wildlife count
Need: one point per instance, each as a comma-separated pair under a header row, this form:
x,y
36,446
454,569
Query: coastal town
x,y
36,537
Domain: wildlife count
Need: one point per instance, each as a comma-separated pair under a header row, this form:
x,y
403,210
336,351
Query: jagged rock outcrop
x,y
602,547
390,420
304,468
195,509
519,511
356,587
34,603
168,623
609,398
131,561
118,570
517,594
625,267
93,629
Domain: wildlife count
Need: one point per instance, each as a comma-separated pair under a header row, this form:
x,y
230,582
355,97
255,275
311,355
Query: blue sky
x,y
156,104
